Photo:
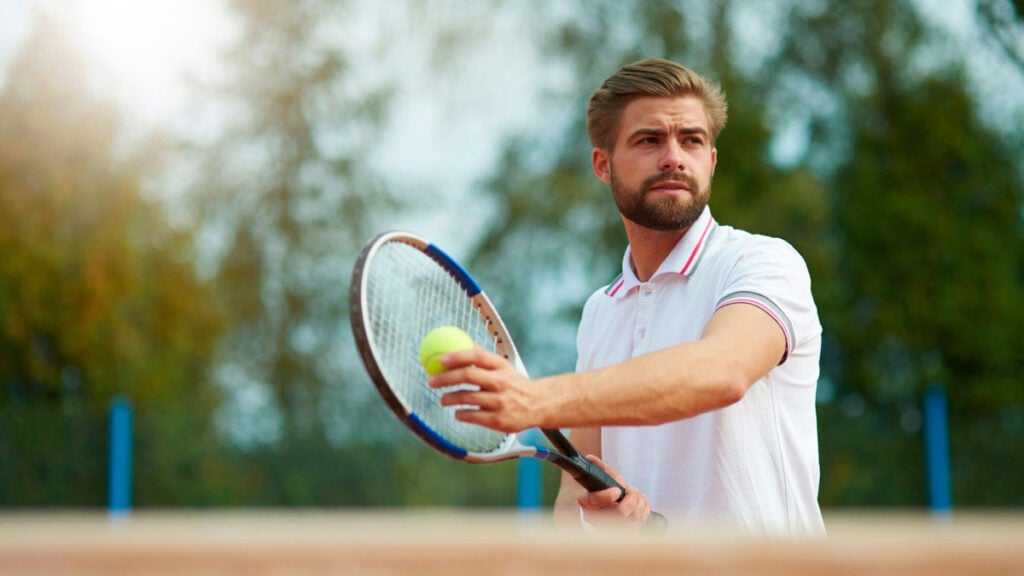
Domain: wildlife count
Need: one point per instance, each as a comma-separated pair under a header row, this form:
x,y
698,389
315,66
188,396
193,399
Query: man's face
x,y
661,166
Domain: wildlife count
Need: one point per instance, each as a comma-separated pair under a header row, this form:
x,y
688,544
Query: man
x,y
698,365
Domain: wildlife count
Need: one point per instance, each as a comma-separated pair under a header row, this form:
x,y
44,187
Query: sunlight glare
x,y
147,50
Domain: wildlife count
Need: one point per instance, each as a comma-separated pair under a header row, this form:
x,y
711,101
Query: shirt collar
x,y
683,259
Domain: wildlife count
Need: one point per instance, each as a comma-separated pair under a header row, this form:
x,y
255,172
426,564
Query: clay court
x,y
446,542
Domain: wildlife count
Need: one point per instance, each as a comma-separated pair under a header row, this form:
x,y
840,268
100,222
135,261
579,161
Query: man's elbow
x,y
733,387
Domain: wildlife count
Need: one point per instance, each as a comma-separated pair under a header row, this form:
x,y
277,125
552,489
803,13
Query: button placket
x,y
644,315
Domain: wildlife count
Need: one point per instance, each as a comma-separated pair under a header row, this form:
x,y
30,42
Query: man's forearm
x,y
740,345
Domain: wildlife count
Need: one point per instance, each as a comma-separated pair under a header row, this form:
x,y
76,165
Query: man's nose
x,y
672,158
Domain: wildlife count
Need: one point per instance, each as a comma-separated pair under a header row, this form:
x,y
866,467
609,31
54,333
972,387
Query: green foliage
x,y
1004,21
750,190
926,203
905,204
867,459
945,294
98,296
54,456
556,225
288,186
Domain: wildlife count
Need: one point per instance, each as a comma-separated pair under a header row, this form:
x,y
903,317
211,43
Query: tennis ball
x,y
441,341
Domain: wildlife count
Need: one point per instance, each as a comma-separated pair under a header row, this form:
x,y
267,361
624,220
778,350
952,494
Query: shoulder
x,y
771,274
734,240
741,249
602,294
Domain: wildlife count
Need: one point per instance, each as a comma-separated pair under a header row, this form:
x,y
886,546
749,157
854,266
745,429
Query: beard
x,y
661,212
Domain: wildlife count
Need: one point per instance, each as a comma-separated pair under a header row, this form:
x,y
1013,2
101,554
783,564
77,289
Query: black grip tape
x,y
593,478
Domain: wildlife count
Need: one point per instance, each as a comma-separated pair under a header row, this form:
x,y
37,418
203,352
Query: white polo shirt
x,y
753,464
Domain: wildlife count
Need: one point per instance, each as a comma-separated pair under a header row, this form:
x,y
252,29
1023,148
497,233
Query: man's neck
x,y
649,248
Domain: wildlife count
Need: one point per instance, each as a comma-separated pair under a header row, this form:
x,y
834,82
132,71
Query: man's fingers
x,y
607,469
476,366
600,499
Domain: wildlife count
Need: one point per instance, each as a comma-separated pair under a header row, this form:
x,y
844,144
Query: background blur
x,y
184,187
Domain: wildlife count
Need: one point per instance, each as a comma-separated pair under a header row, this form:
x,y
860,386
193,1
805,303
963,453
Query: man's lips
x,y
671,187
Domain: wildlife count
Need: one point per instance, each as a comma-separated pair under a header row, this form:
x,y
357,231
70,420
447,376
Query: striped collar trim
x,y
697,252
615,286
684,259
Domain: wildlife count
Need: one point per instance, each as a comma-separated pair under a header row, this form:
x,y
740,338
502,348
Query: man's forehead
x,y
665,112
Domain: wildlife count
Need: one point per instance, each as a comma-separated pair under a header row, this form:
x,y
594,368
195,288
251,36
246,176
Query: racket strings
x,y
409,294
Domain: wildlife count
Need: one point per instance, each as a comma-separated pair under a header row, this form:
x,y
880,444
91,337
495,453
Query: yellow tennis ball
x,y
441,341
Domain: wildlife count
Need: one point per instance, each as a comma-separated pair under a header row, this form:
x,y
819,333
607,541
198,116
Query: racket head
x,y
402,287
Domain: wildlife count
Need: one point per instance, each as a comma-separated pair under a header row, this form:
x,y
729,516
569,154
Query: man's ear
x,y
601,161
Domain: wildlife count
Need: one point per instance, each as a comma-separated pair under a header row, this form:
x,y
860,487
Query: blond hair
x,y
645,78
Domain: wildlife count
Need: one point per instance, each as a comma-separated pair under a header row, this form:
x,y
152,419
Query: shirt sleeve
x,y
771,275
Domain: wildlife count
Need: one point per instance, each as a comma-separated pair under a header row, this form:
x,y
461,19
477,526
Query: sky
x,y
442,136
444,131
143,50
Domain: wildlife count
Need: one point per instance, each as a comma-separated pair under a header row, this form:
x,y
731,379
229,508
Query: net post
x,y
529,489
119,487
936,436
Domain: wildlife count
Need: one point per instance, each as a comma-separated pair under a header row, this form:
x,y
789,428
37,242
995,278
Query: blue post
x,y
119,489
936,437
528,492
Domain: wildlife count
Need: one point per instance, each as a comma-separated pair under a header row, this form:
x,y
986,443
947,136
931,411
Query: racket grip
x,y
593,478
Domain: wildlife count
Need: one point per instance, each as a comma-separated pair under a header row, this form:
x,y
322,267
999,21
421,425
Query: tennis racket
x,y
402,288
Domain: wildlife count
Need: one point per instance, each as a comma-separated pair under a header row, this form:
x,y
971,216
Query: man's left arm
x,y
739,345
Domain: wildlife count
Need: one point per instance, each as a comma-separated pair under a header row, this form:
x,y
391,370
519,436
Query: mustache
x,y
683,177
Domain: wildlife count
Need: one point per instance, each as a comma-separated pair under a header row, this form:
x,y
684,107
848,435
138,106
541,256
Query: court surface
x,y
486,543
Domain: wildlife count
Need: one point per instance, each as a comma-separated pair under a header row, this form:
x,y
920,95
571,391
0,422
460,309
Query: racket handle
x,y
594,479
591,477
583,471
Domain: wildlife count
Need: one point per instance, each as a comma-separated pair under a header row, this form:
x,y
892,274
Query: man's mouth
x,y
671,186
674,184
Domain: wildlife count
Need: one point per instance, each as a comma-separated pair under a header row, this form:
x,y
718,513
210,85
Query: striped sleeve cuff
x,y
770,308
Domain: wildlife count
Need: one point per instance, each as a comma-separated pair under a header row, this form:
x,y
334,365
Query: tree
x,y
556,225
898,195
927,202
925,207
98,296
1004,20
288,189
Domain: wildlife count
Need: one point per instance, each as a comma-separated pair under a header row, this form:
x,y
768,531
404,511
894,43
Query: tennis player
x,y
697,366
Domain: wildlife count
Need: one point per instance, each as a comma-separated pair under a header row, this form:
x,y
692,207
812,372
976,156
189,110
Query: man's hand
x,y
505,400
603,508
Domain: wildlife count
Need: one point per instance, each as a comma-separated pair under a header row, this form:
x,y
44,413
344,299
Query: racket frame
x,y
566,456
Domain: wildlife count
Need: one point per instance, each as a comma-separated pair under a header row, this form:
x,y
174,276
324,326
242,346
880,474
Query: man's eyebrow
x,y
662,131
648,132
694,130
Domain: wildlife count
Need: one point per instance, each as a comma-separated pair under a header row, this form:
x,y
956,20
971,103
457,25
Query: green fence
x,y
56,456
